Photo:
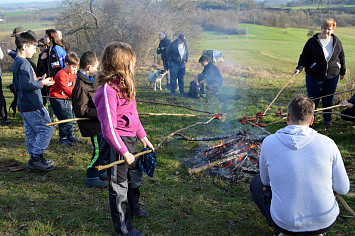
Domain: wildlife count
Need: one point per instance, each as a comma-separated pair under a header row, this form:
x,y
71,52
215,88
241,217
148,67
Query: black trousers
x,y
3,111
124,183
349,112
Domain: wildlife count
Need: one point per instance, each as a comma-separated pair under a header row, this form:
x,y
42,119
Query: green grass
x,y
58,203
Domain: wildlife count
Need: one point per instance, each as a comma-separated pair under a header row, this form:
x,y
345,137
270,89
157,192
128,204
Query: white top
x,y
181,49
303,169
327,45
1,57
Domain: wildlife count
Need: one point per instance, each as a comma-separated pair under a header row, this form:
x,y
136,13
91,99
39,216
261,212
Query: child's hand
x,y
145,142
47,81
129,157
346,104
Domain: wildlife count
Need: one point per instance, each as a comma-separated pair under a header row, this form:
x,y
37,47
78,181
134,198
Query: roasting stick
x,y
148,114
326,108
100,167
219,116
347,207
277,95
66,121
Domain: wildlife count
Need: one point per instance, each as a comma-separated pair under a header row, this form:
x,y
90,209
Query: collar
x,y
91,78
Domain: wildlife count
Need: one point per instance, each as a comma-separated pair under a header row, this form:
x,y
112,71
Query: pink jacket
x,y
117,118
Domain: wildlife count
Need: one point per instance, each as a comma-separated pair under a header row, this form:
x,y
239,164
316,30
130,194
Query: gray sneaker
x,y
96,183
41,165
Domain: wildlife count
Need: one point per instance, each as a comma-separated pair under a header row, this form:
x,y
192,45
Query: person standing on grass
x,y
178,55
162,49
3,110
83,106
60,92
300,170
121,128
42,67
30,104
324,61
350,111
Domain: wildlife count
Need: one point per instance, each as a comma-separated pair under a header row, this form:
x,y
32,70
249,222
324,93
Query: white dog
x,y
155,78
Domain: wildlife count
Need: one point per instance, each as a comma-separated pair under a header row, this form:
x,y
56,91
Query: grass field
x,y
58,203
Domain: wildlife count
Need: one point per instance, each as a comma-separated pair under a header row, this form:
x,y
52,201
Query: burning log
x,y
212,164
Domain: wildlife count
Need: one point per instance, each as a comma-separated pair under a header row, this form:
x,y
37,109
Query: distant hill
x,y
8,6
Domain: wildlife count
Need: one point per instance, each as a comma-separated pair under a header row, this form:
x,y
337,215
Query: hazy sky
x,y
14,1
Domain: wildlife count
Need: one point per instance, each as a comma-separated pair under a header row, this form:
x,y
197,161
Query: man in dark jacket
x,y
350,111
162,49
178,56
84,107
210,75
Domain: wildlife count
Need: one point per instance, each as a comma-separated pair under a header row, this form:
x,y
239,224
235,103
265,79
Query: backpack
x,y
194,91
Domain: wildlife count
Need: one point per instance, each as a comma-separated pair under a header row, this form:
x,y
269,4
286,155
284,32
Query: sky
x,y
15,1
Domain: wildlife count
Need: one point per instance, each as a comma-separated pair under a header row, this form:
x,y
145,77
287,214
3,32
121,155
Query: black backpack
x,y
194,91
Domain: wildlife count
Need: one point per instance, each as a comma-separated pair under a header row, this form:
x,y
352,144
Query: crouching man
x,y
300,170
210,75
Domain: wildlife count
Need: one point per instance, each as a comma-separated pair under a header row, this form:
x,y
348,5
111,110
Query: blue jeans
x,y
317,87
62,110
37,135
177,73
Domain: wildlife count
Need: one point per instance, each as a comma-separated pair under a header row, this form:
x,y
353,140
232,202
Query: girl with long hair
x,y
55,53
121,128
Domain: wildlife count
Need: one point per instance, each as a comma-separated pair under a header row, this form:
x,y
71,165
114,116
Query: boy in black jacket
x,y
83,105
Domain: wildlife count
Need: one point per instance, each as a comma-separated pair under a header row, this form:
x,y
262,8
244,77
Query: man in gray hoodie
x,y
300,170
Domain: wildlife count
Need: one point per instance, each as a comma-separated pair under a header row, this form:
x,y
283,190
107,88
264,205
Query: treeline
x,y
90,25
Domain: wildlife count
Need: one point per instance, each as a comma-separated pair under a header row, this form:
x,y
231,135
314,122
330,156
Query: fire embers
x,y
235,158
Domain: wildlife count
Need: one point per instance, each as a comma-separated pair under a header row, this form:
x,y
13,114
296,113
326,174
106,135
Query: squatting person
x,y
300,170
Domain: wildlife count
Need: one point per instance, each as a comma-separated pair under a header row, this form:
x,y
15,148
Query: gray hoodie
x,y
303,169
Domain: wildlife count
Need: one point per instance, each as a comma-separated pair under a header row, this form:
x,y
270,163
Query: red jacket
x,y
63,84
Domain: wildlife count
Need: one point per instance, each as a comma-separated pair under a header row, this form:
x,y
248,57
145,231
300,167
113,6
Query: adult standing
x,y
162,49
178,56
324,60
300,170
3,111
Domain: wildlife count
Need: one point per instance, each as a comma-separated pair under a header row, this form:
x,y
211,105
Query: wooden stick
x,y
197,123
251,123
173,114
333,94
167,104
347,207
335,113
214,163
100,167
326,108
277,95
65,121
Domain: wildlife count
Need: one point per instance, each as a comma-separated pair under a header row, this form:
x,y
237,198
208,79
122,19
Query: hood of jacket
x,y
296,136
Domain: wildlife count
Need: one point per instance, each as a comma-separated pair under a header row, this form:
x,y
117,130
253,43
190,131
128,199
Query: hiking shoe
x,y
73,139
203,95
141,214
65,141
96,183
41,165
104,176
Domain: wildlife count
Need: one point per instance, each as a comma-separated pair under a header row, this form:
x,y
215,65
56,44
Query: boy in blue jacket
x,y
30,104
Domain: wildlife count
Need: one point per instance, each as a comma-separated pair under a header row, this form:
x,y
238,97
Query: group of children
x,y
114,126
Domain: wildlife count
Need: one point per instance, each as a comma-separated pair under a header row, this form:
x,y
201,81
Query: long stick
x,y
173,114
66,120
277,95
326,108
100,167
347,207
335,113
167,104
333,94
214,163
197,123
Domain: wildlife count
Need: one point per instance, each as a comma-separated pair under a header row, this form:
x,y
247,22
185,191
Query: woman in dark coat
x,y
324,61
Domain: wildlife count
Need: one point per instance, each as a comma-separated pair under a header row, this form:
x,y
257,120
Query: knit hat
x,y
163,34
182,37
17,30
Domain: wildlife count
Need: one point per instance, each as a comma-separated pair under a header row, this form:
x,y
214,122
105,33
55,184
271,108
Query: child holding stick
x,y
83,106
121,128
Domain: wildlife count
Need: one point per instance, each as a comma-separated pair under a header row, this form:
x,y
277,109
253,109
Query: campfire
x,y
236,157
